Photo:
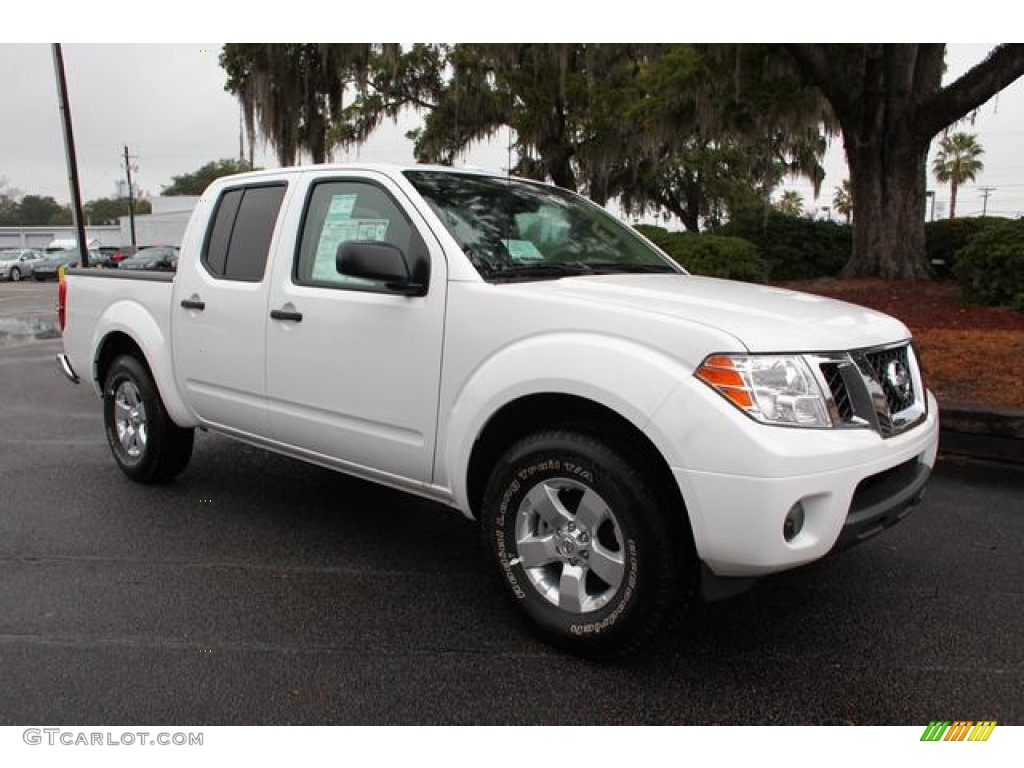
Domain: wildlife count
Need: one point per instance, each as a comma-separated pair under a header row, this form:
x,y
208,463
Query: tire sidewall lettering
x,y
516,486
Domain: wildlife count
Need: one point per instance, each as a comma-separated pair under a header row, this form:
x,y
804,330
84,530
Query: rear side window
x,y
243,224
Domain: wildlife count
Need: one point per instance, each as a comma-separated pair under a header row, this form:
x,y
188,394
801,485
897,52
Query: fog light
x,y
794,522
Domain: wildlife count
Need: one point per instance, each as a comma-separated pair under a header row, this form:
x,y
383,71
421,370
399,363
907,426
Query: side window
x,y
239,240
215,254
346,211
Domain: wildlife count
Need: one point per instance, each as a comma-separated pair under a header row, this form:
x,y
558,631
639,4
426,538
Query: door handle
x,y
286,314
193,302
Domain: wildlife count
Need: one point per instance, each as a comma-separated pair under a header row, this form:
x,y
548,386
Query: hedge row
x,y
713,255
986,255
758,249
990,267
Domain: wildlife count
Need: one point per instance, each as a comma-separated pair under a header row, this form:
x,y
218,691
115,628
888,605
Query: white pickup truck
x,y
625,432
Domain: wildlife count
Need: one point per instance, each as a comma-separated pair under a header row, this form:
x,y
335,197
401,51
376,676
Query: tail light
x,y
62,298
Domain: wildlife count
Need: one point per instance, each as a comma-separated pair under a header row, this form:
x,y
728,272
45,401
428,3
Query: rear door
x,y
353,370
219,311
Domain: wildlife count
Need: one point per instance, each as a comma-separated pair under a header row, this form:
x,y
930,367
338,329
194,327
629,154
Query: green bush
x,y
945,237
657,235
991,266
711,255
794,247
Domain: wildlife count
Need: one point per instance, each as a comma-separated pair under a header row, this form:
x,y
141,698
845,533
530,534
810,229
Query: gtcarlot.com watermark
x,y
59,737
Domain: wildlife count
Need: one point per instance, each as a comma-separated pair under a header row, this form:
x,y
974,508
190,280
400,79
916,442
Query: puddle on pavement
x,y
19,330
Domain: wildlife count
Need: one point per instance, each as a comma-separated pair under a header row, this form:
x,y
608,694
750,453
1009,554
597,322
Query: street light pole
x,y
69,151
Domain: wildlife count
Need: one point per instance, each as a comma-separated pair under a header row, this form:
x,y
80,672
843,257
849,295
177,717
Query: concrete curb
x,y
982,432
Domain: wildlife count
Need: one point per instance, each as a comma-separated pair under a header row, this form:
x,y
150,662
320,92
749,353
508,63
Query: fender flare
x,y
131,319
628,378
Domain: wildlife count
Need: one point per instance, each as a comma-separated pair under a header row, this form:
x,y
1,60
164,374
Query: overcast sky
x,y
167,103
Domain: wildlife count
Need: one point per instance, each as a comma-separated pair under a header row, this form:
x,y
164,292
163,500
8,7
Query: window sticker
x,y
338,231
523,250
341,207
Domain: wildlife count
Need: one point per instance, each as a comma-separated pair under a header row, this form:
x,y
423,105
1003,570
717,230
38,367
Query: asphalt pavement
x,y
260,590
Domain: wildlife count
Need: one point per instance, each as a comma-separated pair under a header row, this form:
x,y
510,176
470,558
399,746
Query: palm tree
x,y
957,162
842,200
791,203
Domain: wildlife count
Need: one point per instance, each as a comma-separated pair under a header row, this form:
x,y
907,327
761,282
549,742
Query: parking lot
x,y
260,590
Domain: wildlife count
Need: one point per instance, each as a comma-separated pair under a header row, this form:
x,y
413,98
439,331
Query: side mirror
x,y
372,260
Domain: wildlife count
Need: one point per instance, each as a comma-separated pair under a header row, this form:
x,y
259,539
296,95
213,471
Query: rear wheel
x,y
147,445
585,544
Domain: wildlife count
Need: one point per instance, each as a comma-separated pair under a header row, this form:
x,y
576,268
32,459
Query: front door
x,y
353,370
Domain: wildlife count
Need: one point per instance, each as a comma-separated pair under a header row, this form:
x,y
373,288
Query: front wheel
x,y
593,556
15,274
147,445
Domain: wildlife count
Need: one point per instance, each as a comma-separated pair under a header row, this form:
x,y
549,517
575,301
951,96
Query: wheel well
x,y
534,413
113,346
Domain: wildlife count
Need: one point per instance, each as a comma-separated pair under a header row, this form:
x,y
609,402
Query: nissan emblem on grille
x,y
898,377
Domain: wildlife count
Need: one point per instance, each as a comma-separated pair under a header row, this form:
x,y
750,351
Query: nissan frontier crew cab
x,y
625,433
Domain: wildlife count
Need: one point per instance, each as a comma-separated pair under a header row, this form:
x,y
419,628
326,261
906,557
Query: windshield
x,y
513,229
9,255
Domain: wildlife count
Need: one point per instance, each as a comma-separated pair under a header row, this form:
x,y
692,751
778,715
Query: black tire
x,y
147,445
15,275
609,511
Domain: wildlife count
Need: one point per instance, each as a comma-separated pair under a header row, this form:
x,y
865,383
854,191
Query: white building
x,y
164,226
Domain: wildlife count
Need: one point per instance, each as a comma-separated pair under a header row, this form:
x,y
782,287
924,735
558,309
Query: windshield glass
x,y
513,229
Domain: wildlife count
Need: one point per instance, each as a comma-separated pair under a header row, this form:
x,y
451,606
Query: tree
x,y
108,210
8,203
889,103
720,127
196,182
37,211
677,128
956,162
294,92
790,204
842,202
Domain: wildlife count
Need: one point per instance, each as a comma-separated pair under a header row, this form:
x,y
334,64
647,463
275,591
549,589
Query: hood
x,y
763,318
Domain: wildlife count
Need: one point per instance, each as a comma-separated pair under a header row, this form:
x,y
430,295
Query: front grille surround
x,y
878,388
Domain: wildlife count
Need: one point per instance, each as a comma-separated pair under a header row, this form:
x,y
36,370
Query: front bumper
x,y
882,500
851,484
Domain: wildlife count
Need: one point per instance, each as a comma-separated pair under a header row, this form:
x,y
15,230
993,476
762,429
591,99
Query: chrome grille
x,y
878,388
834,379
889,365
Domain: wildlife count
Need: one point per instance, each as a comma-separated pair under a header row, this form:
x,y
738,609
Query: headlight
x,y
773,389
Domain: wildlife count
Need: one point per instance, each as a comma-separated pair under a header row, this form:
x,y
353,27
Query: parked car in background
x,y
18,263
46,268
163,259
113,255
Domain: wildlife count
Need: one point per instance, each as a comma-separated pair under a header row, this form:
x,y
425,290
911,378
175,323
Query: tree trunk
x,y
559,164
952,197
887,184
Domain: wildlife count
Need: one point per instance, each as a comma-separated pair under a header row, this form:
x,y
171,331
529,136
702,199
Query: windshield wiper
x,y
541,271
612,268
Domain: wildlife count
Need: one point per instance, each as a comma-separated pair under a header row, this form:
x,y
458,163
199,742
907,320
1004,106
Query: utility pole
x,y
985,192
69,151
131,194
